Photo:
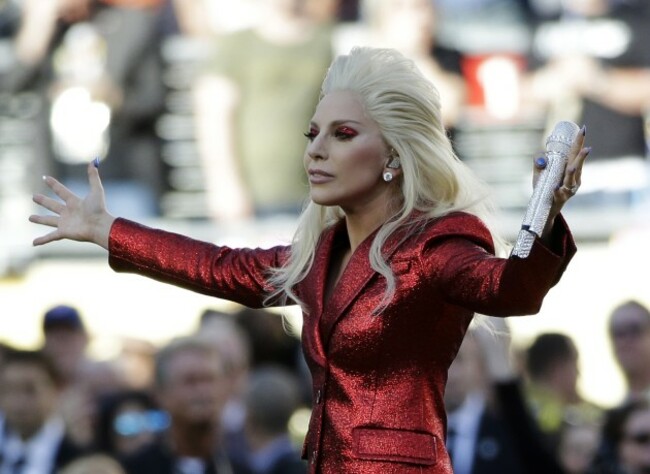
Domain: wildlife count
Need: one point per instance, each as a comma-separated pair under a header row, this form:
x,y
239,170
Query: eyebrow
x,y
336,123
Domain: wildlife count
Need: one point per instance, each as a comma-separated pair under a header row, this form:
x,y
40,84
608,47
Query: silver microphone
x,y
558,144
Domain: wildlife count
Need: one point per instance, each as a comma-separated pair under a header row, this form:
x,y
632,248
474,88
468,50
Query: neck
x,y
194,440
360,224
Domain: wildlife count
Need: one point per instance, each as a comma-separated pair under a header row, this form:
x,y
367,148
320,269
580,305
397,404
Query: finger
x,y
539,164
51,221
580,161
49,203
93,176
578,142
58,188
47,238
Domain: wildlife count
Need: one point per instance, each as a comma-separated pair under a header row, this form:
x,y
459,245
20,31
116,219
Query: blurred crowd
x,y
234,395
196,110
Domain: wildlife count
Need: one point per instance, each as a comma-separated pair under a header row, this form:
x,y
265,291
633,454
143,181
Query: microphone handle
x,y
540,204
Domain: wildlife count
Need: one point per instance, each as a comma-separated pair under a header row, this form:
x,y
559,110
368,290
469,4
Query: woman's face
x,y
346,156
634,450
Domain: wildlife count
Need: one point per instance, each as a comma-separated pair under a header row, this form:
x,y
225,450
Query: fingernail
x,y
588,151
584,130
44,177
96,162
540,162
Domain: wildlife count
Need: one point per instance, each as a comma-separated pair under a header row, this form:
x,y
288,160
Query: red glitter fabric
x,y
378,380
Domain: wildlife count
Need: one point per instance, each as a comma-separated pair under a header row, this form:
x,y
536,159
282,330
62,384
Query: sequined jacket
x,y
378,380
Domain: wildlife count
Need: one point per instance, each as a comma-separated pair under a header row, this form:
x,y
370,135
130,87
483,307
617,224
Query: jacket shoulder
x,y
458,225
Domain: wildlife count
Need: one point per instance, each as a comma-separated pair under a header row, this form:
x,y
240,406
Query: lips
x,y
319,176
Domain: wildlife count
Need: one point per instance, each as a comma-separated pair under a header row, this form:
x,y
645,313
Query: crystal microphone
x,y
558,144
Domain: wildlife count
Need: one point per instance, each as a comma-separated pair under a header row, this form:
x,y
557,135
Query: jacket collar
x,y
354,279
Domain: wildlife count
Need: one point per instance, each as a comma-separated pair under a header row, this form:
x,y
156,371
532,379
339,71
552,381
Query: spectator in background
x,y
552,372
410,26
220,330
126,422
256,93
626,440
32,434
477,438
65,341
592,66
578,445
629,332
190,387
272,396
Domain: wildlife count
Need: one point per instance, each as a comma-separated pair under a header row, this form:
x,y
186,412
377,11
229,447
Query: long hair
x,y
406,107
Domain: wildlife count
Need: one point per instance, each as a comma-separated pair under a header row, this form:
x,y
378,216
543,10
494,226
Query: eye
x,y
345,133
311,134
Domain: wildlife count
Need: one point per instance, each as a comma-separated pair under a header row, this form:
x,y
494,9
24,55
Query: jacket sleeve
x,y
239,275
467,273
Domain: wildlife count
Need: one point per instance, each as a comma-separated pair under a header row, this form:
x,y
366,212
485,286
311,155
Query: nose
x,y
316,150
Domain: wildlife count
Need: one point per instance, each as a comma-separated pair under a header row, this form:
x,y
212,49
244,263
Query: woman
x,y
389,263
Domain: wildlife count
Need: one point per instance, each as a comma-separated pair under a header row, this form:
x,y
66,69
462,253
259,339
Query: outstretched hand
x,y
83,220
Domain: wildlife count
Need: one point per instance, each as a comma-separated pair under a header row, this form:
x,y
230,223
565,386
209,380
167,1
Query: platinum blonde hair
x,y
406,107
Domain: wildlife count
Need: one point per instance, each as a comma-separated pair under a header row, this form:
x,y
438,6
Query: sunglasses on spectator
x,y
641,438
628,330
133,423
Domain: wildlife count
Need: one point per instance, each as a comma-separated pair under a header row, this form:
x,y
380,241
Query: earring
x,y
388,176
394,162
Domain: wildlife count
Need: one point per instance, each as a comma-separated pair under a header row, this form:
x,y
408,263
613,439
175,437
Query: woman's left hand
x,y
570,182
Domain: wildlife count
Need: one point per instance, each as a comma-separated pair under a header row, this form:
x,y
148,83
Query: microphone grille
x,y
562,137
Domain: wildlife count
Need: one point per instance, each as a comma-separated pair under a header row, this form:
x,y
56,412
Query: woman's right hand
x,y
83,220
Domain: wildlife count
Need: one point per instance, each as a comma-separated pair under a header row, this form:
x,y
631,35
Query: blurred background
x,y
196,110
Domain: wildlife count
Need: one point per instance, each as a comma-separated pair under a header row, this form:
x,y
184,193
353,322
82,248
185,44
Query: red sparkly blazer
x,y
378,380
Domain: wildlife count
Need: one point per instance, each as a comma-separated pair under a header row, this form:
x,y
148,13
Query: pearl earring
x,y
388,176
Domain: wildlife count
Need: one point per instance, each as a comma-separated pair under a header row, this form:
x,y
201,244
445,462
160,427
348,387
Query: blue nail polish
x,y
540,162
96,162
584,130
588,151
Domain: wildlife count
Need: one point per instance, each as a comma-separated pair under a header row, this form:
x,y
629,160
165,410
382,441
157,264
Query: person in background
x,y
190,388
626,440
65,341
629,333
272,396
32,434
220,330
126,422
552,386
248,107
478,438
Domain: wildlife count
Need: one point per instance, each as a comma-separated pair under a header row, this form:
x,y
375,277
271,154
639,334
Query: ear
x,y
393,164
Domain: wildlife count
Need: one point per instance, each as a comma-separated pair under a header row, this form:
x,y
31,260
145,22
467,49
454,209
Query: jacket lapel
x,y
354,279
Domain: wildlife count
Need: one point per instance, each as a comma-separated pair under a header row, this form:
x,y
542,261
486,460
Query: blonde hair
x,y
406,107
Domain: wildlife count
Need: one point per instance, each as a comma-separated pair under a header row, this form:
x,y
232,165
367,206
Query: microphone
x,y
558,144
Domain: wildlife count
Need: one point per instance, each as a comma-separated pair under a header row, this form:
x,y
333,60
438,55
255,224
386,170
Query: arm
x,y
469,275
238,275
528,439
